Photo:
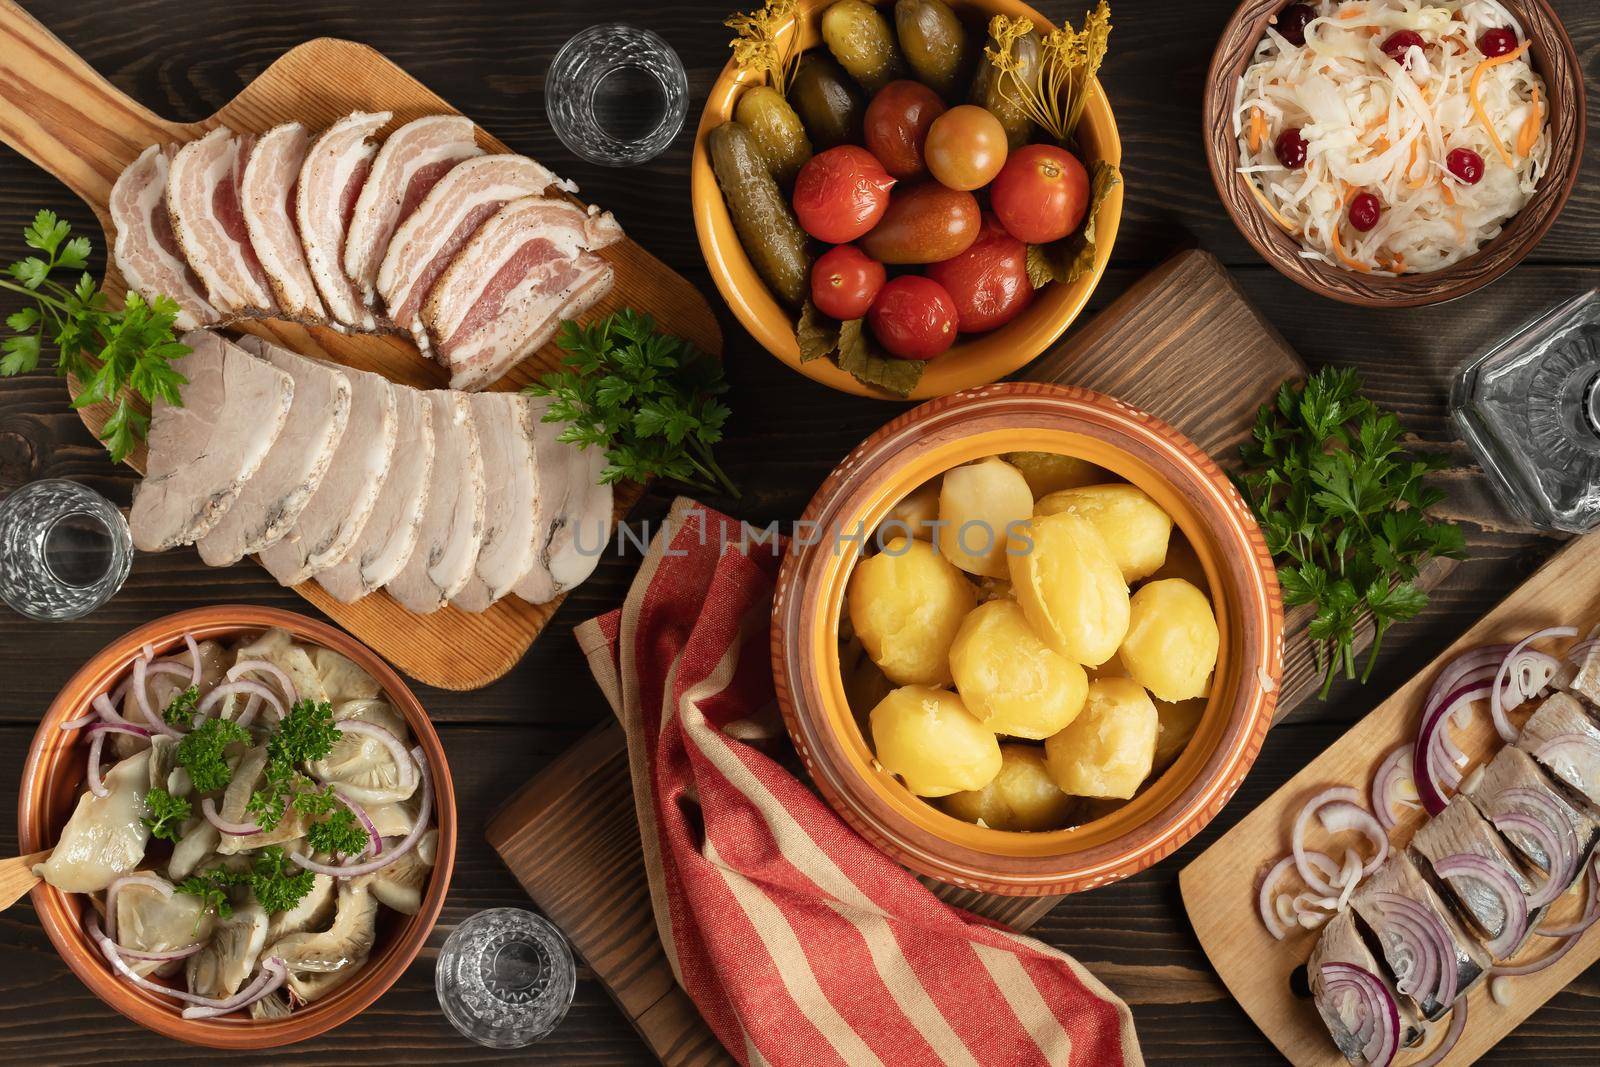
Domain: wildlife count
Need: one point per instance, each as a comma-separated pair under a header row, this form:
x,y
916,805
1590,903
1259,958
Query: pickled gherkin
x,y
861,40
777,130
767,228
935,44
999,95
827,101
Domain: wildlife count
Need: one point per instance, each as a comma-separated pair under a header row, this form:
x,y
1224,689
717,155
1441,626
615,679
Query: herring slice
x,y
452,520
202,454
506,430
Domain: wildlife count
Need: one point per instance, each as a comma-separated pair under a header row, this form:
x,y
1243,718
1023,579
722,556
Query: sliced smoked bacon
x,y
411,162
330,182
203,201
527,268
146,250
267,198
426,242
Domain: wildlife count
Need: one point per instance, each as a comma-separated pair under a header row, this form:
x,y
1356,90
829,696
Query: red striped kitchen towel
x,y
799,942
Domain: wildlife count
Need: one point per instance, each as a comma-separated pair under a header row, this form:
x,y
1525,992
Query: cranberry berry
x,y
1291,149
1497,42
1466,165
1397,44
1364,211
1292,22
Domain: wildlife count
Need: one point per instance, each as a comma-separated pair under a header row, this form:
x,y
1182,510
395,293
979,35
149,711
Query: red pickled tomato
x,y
840,194
1465,164
989,281
913,317
1365,210
1291,149
844,282
1397,44
1497,42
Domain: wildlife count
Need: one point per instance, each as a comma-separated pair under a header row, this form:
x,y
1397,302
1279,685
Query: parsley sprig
x,y
1344,510
339,832
164,813
110,352
277,881
180,709
202,753
647,398
305,735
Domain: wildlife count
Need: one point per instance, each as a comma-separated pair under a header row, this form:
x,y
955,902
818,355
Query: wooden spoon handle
x,y
58,112
17,877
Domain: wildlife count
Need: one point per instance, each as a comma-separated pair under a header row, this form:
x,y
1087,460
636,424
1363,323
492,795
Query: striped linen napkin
x,y
799,942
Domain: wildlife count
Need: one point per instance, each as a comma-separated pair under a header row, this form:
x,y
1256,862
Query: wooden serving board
x,y
1182,343
1219,888
58,112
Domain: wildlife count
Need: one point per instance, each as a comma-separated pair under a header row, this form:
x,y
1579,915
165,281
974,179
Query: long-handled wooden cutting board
x,y
1182,343
58,112
1220,888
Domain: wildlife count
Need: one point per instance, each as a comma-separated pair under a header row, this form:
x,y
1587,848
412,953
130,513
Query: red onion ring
x,y
117,728
353,870
142,698
255,689
1394,771
1339,816
1455,673
159,957
1426,758
105,707
194,658
208,808
374,841
1497,707
144,878
1576,653
1500,882
1560,742
113,955
1559,847
1378,1021
1591,911
96,786
1424,935
1298,835
274,972
397,751
81,721
1458,1024
238,670
1269,918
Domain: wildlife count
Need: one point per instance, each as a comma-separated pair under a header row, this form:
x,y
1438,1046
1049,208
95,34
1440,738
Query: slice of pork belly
x,y
325,198
425,243
267,198
452,520
506,431
386,542
336,513
508,289
146,250
273,499
203,453
1566,741
1459,829
1393,902
410,163
1341,943
203,201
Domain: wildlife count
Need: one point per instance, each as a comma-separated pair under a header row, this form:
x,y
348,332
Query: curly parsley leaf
x,y
212,886
339,832
202,753
164,813
180,709
277,881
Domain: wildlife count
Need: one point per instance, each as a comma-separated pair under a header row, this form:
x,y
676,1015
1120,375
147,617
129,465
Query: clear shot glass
x,y
505,978
64,550
616,95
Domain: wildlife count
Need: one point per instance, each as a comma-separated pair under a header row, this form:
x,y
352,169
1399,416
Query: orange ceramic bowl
x,y
946,433
53,779
975,360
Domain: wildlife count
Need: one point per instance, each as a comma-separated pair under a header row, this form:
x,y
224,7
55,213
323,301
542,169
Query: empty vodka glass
x,y
616,95
505,978
64,550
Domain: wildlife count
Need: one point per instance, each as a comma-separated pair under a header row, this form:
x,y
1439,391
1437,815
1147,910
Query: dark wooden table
x,y
488,57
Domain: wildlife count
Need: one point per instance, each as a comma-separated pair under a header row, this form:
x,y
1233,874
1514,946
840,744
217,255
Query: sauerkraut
x,y
1410,125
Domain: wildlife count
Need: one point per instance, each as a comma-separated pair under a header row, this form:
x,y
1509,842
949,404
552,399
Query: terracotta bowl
x,y
1553,57
52,781
973,361
946,433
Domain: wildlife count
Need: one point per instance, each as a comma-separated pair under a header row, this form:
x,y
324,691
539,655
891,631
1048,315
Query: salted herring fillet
x,y
202,454
203,201
506,431
331,179
271,501
338,511
266,197
510,286
411,162
390,534
425,243
146,250
452,520
568,486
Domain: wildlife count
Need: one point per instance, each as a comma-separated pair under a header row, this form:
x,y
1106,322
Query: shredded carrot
x,y
1397,264
1449,193
1338,245
1528,136
1415,183
1277,216
1258,129
1477,104
1354,11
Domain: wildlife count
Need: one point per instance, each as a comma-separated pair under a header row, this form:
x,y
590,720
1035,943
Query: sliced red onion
x,y
194,658
142,698
239,670
208,808
1503,682
374,841
113,955
226,689
1499,882
274,972
1591,911
1394,774
387,739
353,870
1576,653
1339,816
81,721
1455,673
96,786
1561,847
1458,1024
105,707
1573,746
1377,1022
118,728
1264,899
159,957
1427,759
1298,836
144,878
1423,935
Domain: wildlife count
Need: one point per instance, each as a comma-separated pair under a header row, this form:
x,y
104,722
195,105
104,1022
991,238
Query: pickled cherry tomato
x,y
1041,194
966,147
844,281
913,317
897,123
989,281
840,194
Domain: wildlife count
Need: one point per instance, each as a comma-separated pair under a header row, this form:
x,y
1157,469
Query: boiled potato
x,y
1070,587
1134,526
1012,681
1111,668
928,738
1021,797
1048,472
1178,724
916,515
1108,750
978,504
1171,646
1184,562
905,605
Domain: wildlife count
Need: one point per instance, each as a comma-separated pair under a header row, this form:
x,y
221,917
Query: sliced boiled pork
x,y
338,511
203,201
503,296
425,243
411,162
202,454
330,183
146,250
271,502
386,541
506,429
267,198
569,531
452,520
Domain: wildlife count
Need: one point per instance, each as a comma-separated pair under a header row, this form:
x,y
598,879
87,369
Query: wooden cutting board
x,y
1220,887
58,112
1182,343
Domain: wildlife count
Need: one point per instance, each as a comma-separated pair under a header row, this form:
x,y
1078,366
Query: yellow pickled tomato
x,y
1012,681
